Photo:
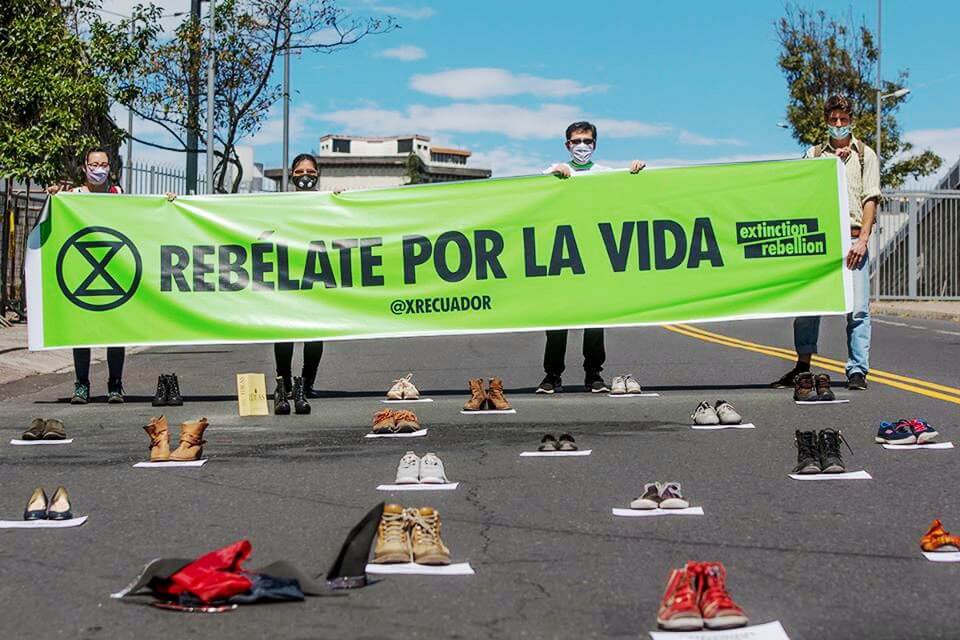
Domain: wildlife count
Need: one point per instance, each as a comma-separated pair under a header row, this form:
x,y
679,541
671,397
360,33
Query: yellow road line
x,y
921,387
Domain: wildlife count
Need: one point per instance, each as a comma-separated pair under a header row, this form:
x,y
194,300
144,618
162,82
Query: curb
x,y
880,308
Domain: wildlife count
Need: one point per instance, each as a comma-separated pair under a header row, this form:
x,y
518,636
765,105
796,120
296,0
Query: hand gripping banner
x,y
716,242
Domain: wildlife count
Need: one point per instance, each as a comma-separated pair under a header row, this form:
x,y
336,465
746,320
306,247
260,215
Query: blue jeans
x,y
806,330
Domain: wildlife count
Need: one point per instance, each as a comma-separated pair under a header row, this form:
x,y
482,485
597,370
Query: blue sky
x,y
669,83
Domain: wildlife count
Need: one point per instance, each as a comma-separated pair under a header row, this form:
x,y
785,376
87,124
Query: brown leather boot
x,y
159,433
478,397
191,441
495,395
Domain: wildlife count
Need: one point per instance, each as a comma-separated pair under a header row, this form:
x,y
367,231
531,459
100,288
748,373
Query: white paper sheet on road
x,y
486,411
634,395
810,402
554,454
849,475
914,447
172,464
42,524
447,486
715,427
406,401
461,569
942,556
768,631
412,434
26,443
649,513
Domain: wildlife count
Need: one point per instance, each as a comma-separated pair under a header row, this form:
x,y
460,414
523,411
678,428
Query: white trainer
x,y
431,470
726,413
671,496
408,471
705,414
632,385
618,387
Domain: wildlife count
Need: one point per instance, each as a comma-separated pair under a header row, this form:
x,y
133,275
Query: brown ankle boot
x,y
478,396
191,440
495,395
159,433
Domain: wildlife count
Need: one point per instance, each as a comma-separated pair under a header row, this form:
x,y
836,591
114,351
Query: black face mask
x,y
305,182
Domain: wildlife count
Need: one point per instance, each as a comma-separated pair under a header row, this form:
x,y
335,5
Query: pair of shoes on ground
x,y
395,421
809,387
697,598
819,452
489,399
939,539
592,382
191,440
416,470
906,431
285,392
564,443
168,391
410,535
40,429
40,508
403,389
721,413
625,385
657,495
856,381
81,392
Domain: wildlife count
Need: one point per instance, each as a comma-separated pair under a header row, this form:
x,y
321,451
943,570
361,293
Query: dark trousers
x,y
81,364
554,355
312,352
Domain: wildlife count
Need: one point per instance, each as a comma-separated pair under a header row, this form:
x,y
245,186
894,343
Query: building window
x,y
405,146
341,146
450,158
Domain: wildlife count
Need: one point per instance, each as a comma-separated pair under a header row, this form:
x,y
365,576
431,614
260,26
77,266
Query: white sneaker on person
x,y
408,471
632,385
618,387
726,413
431,470
705,414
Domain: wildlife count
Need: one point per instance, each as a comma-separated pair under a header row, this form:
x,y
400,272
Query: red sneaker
x,y
717,607
678,609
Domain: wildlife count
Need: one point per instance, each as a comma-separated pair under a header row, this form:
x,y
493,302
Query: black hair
x,y
86,156
582,126
305,156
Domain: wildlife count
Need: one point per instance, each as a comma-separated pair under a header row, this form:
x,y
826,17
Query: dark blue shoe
x,y
895,433
36,506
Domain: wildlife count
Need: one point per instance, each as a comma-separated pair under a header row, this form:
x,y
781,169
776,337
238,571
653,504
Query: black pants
x,y
554,355
81,364
312,352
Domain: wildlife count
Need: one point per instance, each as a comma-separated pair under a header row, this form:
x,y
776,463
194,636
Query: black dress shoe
x,y
36,506
59,507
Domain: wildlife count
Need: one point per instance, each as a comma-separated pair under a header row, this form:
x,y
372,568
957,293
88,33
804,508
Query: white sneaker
x,y
671,496
431,470
618,387
410,392
726,413
632,385
408,471
705,414
650,498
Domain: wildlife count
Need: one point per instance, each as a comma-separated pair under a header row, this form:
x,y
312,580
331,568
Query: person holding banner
x,y
581,142
863,185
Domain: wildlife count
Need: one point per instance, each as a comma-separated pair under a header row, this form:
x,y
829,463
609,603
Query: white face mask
x,y
581,153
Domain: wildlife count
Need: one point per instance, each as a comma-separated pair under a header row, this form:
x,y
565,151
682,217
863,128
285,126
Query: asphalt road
x,y
830,560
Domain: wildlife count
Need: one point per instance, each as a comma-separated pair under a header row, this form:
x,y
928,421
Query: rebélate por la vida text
x,y
454,256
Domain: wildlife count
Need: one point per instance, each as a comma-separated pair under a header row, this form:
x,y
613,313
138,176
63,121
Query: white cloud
x,y
407,53
484,82
687,137
943,142
400,11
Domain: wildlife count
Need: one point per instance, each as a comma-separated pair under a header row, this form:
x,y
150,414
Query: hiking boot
x,y
939,539
650,498
191,440
384,422
431,470
632,385
36,508
824,392
803,389
594,383
281,405
159,432
726,413
406,421
495,395
393,541
408,471
81,394
114,392
478,396
895,433
618,387
36,430
705,414
550,384
53,430
174,399
59,507
160,397
300,405
425,540
831,460
808,452
856,381
717,607
679,610
671,496
788,379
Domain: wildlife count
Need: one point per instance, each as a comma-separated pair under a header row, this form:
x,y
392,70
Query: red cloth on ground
x,y
214,576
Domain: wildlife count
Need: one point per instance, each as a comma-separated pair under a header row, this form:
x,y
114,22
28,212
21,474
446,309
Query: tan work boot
x,y
495,395
191,441
393,541
427,546
384,421
159,433
406,421
478,396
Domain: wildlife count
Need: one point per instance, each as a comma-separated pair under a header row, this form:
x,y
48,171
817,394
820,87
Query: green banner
x,y
687,244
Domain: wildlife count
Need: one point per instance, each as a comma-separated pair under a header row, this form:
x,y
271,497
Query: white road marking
x,y
949,333
891,323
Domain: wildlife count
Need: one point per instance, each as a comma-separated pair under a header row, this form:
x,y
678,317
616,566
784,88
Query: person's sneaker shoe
x,y
921,429
115,392
895,433
856,381
281,405
393,541
824,393
679,610
35,430
831,461
726,413
431,470
406,421
939,539
408,471
384,421
160,397
808,452
53,430
550,384
396,391
618,387
81,394
633,387
717,607
495,396
650,498
174,398
803,388
671,496
478,397
594,383
705,414
428,547
787,380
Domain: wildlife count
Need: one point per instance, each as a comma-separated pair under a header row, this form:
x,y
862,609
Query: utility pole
x,y
211,61
285,180
128,174
193,103
879,82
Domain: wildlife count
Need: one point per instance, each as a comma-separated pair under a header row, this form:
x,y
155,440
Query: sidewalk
x,y
927,310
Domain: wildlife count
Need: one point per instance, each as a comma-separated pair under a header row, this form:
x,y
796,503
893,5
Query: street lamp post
x,y
211,61
284,182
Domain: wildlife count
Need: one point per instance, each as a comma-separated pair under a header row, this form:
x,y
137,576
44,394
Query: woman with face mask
x,y
304,175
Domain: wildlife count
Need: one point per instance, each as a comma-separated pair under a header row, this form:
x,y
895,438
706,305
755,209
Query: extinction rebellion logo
x,y
781,238
98,268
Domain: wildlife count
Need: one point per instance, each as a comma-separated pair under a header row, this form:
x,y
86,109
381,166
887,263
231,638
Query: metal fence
x,y
21,210
146,179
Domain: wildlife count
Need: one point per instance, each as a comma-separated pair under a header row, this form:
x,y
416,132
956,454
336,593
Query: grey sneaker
x,y
408,471
431,470
671,496
650,498
705,414
726,413
618,387
632,385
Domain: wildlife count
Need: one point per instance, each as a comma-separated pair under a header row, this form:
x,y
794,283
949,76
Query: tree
x,y
821,56
251,35
413,168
